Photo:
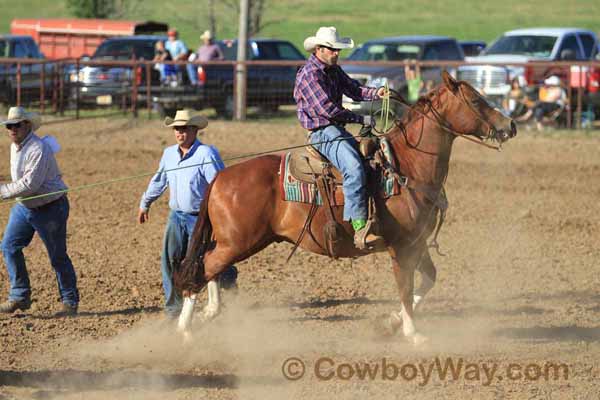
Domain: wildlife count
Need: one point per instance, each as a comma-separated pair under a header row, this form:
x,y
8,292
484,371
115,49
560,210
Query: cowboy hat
x,y
327,36
206,35
19,114
184,118
552,81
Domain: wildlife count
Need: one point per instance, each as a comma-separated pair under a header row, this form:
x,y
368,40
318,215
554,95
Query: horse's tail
x,y
189,275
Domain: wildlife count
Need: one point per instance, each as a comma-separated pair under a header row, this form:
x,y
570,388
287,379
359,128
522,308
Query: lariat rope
x,y
145,174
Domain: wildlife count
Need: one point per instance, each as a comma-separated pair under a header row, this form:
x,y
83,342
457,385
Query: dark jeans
x,y
178,233
50,222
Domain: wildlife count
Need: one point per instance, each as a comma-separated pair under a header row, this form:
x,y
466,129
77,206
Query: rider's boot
x,y
363,237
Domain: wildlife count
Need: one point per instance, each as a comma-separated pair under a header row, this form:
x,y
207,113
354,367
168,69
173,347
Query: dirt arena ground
x,y
515,309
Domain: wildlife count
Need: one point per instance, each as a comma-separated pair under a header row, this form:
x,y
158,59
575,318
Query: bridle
x,y
442,123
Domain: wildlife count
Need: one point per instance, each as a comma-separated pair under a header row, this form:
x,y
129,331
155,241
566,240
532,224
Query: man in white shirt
x,y
35,173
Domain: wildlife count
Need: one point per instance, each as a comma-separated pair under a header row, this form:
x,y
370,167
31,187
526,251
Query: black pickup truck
x,y
268,86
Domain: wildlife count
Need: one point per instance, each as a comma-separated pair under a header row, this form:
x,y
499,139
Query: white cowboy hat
x,y
185,118
206,35
19,114
327,36
552,81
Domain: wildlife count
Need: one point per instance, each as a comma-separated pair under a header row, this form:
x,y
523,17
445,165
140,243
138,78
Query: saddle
x,y
309,166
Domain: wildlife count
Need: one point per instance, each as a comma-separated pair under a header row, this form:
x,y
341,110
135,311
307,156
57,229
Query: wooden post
x,y
148,92
42,86
18,84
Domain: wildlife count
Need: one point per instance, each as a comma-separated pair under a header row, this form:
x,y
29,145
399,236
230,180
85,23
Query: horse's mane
x,y
415,111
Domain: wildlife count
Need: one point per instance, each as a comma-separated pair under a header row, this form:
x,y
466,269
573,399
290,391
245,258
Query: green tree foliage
x,y
91,8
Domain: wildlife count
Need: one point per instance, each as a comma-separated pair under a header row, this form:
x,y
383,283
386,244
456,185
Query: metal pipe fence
x,y
69,86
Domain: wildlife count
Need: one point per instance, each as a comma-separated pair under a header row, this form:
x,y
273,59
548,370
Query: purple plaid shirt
x,y
318,94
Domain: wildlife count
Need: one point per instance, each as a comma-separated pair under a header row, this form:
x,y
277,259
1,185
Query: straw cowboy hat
x,y
185,118
19,114
327,36
552,81
206,35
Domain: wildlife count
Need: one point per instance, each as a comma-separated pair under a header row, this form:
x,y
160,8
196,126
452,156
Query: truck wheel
x,y
268,108
165,111
225,109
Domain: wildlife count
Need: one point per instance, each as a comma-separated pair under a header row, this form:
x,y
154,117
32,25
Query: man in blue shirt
x,y
187,168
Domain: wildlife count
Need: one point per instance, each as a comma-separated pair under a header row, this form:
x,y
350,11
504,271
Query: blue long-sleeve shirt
x,y
186,185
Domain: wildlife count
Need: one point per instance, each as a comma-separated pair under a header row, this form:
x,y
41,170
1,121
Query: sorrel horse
x,y
246,202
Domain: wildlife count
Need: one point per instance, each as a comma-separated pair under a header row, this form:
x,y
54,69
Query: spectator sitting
x,y
552,97
208,51
168,72
176,47
517,104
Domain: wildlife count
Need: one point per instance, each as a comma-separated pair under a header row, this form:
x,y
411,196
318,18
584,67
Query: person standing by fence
x,y
34,172
186,168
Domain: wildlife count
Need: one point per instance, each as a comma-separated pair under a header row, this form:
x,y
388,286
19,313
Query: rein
x,y
441,122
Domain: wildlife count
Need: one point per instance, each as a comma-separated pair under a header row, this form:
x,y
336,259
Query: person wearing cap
x,y
176,47
318,91
41,207
208,51
551,98
186,168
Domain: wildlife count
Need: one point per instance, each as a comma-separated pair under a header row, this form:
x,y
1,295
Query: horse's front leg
x,y
404,263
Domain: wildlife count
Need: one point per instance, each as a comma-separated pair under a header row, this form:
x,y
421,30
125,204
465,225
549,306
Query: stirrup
x,y
365,240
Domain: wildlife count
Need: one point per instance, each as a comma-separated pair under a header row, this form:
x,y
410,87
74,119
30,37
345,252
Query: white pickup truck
x,y
525,45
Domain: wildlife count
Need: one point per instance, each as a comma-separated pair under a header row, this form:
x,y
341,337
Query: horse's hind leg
x,y
404,263
428,276
215,261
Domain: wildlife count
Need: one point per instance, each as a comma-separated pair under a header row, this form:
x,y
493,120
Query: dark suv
x,y
400,48
268,86
107,84
21,46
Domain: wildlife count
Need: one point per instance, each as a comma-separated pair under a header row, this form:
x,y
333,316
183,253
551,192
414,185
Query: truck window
x,y
442,51
33,49
278,51
19,50
588,43
570,43
530,45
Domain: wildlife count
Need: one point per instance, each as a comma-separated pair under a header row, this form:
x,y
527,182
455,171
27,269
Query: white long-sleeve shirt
x,y
34,171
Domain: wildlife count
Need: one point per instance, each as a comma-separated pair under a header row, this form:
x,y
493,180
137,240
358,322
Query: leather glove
x,y
368,121
368,124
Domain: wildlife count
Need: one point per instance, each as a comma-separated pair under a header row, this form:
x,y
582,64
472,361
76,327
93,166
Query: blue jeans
x,y
50,222
180,226
192,71
343,154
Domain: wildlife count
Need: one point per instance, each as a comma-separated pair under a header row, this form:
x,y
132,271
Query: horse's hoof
x,y
187,336
417,339
388,325
209,313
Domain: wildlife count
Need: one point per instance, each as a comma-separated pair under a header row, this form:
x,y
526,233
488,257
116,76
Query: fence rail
x,y
57,86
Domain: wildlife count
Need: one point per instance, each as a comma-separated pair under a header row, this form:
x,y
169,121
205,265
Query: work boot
x,y
10,306
68,310
363,238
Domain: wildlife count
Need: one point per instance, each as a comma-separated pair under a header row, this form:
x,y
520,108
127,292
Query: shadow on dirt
x,y
339,302
75,380
552,334
124,311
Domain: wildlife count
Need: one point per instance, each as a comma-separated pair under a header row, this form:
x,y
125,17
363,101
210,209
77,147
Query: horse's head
x,y
472,114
